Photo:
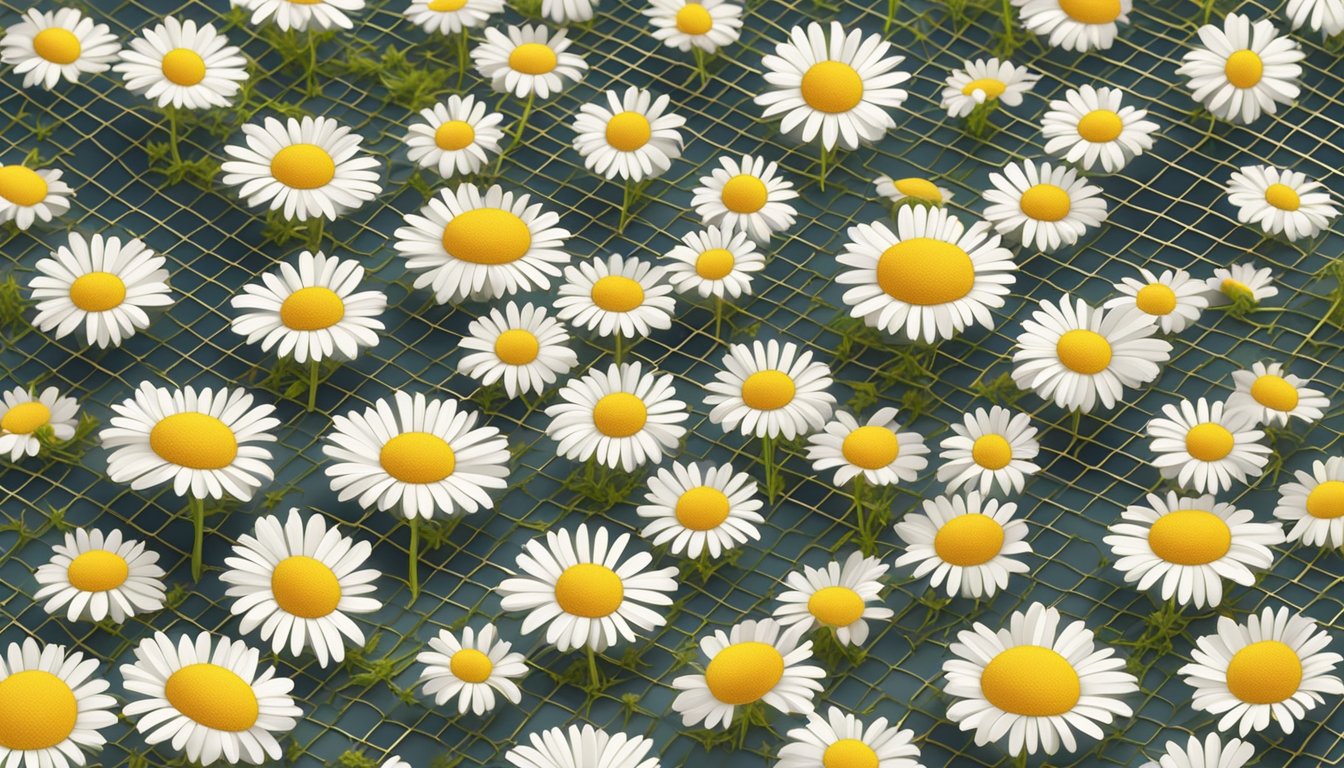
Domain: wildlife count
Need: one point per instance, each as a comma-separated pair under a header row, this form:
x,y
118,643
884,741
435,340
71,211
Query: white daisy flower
x,y
930,279
307,169
1281,201
320,15
715,261
842,597
456,137
1210,753
988,447
1314,505
297,581
48,46
394,762
523,347
1046,207
616,296
94,576
1272,396
585,591
1078,356
528,61
769,390
1273,667
697,510
210,698
1243,69
469,244
1075,25
632,136
986,80
471,669
705,26
833,85
310,311
912,189
877,450
747,196
448,17
55,706
181,64
582,746
621,417
1189,545
1093,127
964,544
1174,300
1324,16
840,740
25,418
569,11
1035,683
1240,281
28,195
1205,447
753,661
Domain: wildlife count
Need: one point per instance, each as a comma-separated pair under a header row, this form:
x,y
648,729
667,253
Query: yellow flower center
x,y
305,587
487,236
1209,441
1031,681
97,291
1326,501
744,193
1274,392
57,45
25,418
744,672
1155,299
454,135
183,66
1091,11
37,711
620,414
446,6
312,309
968,540
1083,351
589,590
617,293
693,19
871,447
835,606
628,131
992,87
1190,537
213,696
417,458
1266,672
1244,68
1100,126
471,666
992,452
768,390
1235,288
715,263
1283,197
533,59
849,753
97,571
925,272
194,440
832,87
517,347
702,508
1046,202
22,186
303,166
922,189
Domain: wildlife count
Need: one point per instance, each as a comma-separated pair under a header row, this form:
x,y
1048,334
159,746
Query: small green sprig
x,y
356,759
832,653
13,306
71,450
703,568
601,486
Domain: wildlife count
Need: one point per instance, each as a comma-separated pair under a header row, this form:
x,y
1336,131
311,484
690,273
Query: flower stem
x,y
316,226
594,682
821,177
463,55
892,6
171,113
197,508
619,351
313,366
771,471
518,132
718,319
413,565
701,64
860,524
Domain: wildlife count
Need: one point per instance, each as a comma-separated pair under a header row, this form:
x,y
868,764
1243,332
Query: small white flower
x,y
1205,447
102,284
1324,16
94,576
616,296
876,450
747,196
56,705
842,741
984,80
842,597
48,46
448,17
1075,25
988,447
714,262
528,61
707,25
912,189
1174,300
454,138
321,15
695,510
523,347
1240,281
769,390
1280,201
966,545
1093,127
1243,70
1314,505
181,64
632,137
472,669
23,416
28,195
1046,207
621,417
1272,397
581,747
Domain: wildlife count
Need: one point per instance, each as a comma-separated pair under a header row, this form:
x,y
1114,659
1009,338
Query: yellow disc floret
x,y
968,540
303,166
1032,681
744,193
1209,441
533,59
925,272
1244,68
744,672
620,414
1190,537
305,587
617,293
1046,202
628,131
213,696
1100,126
871,447
992,452
37,711
194,440
97,571
418,458
768,390
487,236
835,606
471,666
589,590
183,66
1326,500
1275,393
452,135
57,45
1083,351
1266,672
517,346
22,186
693,19
832,87
312,309
25,418
702,508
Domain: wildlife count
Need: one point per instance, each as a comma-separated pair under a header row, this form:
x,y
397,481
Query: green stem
x,y
316,227
413,565
172,135
771,471
718,319
701,64
1020,760
463,55
593,680
619,352
892,6
312,87
313,366
821,178
518,132
860,524
629,194
197,508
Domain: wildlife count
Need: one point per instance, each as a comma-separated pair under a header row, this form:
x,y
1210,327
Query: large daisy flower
x,y
1092,127
1173,299
448,17
1075,25
582,746
1324,16
714,262
25,418
28,195
455,137
769,390
1314,505
632,136
55,706
1209,753
685,24
841,740
528,61
984,81
48,46
842,597
746,196
320,15
1273,396
621,417
472,669
964,544
989,447
1281,201
522,347
1243,69
181,64
616,296
1206,447
698,510
1046,207
94,576
877,450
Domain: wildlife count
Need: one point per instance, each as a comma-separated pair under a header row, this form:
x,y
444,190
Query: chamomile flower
x,y
1242,70
472,669
55,706
1240,281
698,510
523,347
964,544
1093,127
1075,25
1046,207
989,447
877,450
1281,201
181,64
633,136
1209,753
320,15
586,591
753,661
94,576
832,85
620,417
455,137
469,244
48,46
582,746
1273,667
983,81
842,597
746,196
394,762
715,261
297,582
769,390
209,698
912,189
930,279
28,195
616,296
1188,545
1035,682
448,17
1314,505
1207,447
1079,356
1174,300
706,26
1272,396
1324,16
842,741
528,61
24,416
310,311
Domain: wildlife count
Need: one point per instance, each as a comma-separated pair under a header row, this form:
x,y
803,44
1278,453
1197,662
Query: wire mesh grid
x,y
1166,211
